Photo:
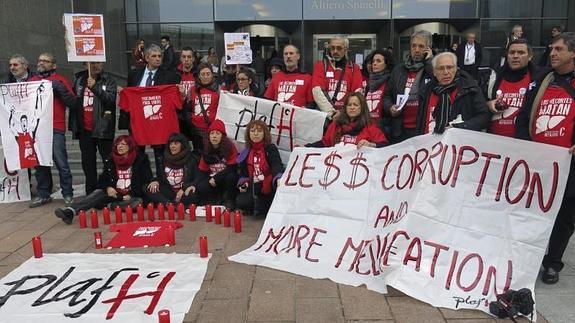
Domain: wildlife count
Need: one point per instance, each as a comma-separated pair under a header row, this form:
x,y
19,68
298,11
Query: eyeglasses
x,y
242,79
448,68
337,47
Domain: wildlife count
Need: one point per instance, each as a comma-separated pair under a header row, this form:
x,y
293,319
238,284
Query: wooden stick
x,y
89,70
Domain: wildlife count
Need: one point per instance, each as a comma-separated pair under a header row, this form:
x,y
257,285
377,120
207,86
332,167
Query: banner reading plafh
x,y
26,124
451,220
85,40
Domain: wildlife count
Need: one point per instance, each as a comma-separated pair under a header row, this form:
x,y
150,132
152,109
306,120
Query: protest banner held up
x,y
85,38
26,124
451,220
14,185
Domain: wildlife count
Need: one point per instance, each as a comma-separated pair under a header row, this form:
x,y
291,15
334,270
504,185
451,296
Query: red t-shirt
x,y
555,117
375,102
59,106
431,104
210,100
327,80
292,88
187,80
28,158
88,106
410,108
512,93
124,182
152,112
370,133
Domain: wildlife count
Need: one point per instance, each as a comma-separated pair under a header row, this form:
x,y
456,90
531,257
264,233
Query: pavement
x,y
233,292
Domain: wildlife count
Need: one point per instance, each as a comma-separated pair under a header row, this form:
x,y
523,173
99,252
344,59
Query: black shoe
x,y
67,215
550,276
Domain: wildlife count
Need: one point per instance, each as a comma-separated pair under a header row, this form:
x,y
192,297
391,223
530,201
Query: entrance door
x,y
360,45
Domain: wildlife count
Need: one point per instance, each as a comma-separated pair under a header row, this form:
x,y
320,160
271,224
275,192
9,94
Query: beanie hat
x,y
217,125
276,61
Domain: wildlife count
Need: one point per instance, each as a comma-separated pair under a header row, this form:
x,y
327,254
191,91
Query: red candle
x,y
37,246
192,210
118,212
218,217
129,214
150,212
94,219
203,246
171,211
227,219
238,222
106,215
208,209
82,219
164,316
171,235
181,211
161,211
140,212
98,240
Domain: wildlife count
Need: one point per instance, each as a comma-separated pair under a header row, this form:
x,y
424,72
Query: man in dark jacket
x,y
469,55
169,60
93,121
543,119
451,99
19,71
407,79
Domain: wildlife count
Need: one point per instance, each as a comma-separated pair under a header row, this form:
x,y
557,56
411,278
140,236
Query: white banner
x,y
15,186
26,123
101,288
85,39
450,220
289,125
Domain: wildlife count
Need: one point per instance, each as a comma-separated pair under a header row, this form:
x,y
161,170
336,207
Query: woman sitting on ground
x,y
125,173
217,178
173,185
260,168
352,126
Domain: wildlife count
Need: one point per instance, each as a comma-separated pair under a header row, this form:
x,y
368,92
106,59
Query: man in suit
x,y
154,73
169,60
469,55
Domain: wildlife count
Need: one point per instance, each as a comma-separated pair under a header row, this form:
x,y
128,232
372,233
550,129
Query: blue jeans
x,y
44,173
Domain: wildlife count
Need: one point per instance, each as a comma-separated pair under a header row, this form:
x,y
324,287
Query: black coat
x,y
190,174
169,59
105,91
141,175
469,102
460,53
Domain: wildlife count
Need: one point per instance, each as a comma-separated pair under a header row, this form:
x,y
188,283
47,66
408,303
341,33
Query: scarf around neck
x,y
443,107
377,79
124,162
178,160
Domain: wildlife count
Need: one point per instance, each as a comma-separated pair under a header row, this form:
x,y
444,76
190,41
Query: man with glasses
x,y
335,77
19,71
63,97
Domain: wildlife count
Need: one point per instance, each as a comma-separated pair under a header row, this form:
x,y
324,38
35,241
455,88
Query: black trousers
x,y
98,199
225,190
158,156
88,148
165,195
562,231
258,204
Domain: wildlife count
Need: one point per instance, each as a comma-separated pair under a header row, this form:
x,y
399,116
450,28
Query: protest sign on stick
x,y
85,39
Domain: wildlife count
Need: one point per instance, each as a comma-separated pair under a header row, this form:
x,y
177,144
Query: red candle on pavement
x,y
238,222
129,214
164,316
181,211
218,217
106,215
37,246
118,212
140,212
94,219
208,209
192,210
161,212
227,219
82,219
171,235
171,211
203,246
150,212
98,240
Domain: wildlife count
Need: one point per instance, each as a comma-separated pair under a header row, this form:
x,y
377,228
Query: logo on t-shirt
x,y
342,89
551,113
146,231
152,106
124,179
286,90
206,100
349,140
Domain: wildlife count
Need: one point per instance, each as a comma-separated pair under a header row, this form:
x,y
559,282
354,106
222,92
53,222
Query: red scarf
x,y
345,129
257,152
124,162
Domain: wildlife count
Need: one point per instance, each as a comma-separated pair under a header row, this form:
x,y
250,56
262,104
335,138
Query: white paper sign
x,y
289,125
101,288
450,220
238,49
85,39
26,123
14,186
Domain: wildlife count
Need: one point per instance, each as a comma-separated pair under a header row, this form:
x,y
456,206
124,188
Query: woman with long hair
x,y
381,66
205,98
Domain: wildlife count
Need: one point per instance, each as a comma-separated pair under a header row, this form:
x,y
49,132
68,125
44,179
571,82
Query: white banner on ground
x,y
289,125
450,220
85,39
14,186
26,123
101,288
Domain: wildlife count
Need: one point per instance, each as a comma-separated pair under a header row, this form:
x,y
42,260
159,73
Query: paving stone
x,y
8,227
372,306
464,314
407,309
197,304
308,287
224,310
16,240
6,269
272,300
59,232
318,310
392,292
488,320
231,281
264,273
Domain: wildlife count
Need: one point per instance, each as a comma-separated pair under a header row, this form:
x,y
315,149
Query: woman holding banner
x,y
353,126
260,169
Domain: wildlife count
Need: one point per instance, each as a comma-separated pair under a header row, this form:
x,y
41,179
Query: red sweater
x,y
370,133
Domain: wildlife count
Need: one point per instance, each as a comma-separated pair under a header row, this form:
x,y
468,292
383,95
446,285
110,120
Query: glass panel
x,y
435,9
130,10
233,10
198,36
494,32
358,44
346,9
511,8
555,8
175,10
546,26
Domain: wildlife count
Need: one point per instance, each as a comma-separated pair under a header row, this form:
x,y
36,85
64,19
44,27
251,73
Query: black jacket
x,y
499,76
141,175
105,91
190,174
169,59
11,79
469,102
220,177
272,158
460,53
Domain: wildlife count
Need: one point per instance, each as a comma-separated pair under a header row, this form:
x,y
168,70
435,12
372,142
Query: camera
x,y
500,105
512,303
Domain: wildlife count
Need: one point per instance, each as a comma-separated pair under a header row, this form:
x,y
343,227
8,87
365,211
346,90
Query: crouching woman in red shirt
x,y
125,172
260,168
352,126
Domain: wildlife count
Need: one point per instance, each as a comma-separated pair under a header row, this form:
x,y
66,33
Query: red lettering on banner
x,y
388,250
329,161
451,270
312,243
525,182
502,179
460,161
288,126
305,167
536,183
357,162
390,217
438,247
415,242
451,167
439,147
477,277
411,171
293,242
297,241
492,272
387,188
488,157
287,182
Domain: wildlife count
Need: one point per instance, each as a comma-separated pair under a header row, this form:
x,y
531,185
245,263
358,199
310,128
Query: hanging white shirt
x,y
469,54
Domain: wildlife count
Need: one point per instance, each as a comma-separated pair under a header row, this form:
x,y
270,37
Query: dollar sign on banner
x,y
329,162
356,163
